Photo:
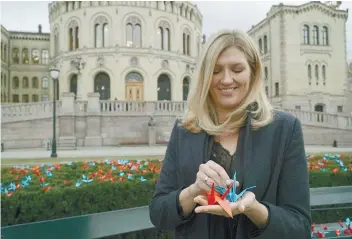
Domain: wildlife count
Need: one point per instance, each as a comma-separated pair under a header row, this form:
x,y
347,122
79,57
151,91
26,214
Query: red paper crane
x,y
215,198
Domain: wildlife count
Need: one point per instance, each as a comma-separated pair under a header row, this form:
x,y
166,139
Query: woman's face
x,y
231,78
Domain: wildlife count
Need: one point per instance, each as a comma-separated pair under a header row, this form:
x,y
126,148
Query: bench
x,y
133,219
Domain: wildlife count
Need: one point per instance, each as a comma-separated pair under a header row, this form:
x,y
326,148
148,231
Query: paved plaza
x,y
124,151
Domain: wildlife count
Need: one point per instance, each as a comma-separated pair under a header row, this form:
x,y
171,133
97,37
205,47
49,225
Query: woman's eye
x,y
237,70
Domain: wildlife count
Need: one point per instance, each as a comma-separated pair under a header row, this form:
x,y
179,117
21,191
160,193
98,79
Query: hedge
x,y
47,192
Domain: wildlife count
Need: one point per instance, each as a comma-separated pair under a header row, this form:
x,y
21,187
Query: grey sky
x,y
25,16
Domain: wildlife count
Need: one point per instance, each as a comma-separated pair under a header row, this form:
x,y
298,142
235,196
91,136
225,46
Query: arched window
x,y
265,44
25,56
134,77
16,55
186,41
185,86
164,35
306,39
133,32
317,74
101,32
45,82
260,42
325,36
35,83
315,35
73,85
35,56
323,69
45,57
164,87
309,73
73,35
25,83
102,85
15,82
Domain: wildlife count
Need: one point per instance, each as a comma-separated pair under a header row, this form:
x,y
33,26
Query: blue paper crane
x,y
232,196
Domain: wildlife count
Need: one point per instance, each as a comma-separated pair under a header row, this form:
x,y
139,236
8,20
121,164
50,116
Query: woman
x,y
230,126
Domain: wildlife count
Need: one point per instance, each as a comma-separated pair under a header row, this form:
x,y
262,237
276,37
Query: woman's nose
x,y
227,77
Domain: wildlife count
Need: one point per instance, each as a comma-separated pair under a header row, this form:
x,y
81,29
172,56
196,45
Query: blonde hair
x,y
200,114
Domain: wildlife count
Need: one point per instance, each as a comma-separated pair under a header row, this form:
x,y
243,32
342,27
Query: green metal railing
x,y
94,226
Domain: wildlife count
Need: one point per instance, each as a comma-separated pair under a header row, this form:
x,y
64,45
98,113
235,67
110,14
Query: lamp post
x,y
54,73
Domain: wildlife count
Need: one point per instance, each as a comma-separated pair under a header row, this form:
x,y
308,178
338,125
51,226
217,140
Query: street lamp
x,y
54,73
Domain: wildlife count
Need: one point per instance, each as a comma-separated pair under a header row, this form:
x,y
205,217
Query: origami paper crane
x,y
215,197
231,195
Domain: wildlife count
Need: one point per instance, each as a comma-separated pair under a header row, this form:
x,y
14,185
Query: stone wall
x,y
95,123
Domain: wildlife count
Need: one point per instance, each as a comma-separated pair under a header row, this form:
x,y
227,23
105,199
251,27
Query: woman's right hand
x,y
209,173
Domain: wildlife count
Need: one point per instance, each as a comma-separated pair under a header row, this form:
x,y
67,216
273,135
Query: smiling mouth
x,y
228,89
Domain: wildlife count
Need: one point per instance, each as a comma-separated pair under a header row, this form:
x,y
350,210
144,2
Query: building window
x,y
298,107
325,36
306,35
15,98
266,74
186,37
133,32
5,52
164,35
260,45
265,44
16,55
277,89
35,56
101,31
267,91
35,98
309,73
317,74
73,35
45,82
45,98
323,69
15,82
25,56
339,108
25,83
25,98
35,84
315,35
45,57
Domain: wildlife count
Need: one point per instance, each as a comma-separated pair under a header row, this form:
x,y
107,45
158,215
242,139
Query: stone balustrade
x,y
99,123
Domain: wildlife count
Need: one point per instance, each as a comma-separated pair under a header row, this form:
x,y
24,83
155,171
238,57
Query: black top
x,y
222,156
272,158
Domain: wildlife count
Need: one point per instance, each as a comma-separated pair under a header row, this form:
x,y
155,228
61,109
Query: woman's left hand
x,y
240,206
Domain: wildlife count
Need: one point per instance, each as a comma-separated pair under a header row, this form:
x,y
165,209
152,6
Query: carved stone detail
x,y
165,64
134,61
100,61
101,20
134,20
73,24
164,24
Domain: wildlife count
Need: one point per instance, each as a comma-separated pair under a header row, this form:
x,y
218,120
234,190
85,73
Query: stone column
x,y
67,138
93,135
152,131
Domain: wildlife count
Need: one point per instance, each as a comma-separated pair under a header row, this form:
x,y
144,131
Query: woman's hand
x,y
208,174
245,203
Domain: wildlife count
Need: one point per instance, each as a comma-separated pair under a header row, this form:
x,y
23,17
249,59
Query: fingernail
x,y
228,182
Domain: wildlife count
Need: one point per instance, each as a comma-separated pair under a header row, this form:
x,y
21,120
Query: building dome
x,y
125,50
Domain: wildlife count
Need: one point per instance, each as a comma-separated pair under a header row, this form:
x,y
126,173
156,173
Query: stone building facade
x,y
141,51
304,56
24,66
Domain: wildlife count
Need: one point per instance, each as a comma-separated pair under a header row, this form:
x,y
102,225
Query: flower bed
x,y
43,192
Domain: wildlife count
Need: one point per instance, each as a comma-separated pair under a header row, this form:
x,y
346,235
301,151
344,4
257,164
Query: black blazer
x,y
273,160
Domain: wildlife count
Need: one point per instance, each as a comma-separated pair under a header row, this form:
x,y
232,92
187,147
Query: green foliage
x,y
109,190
